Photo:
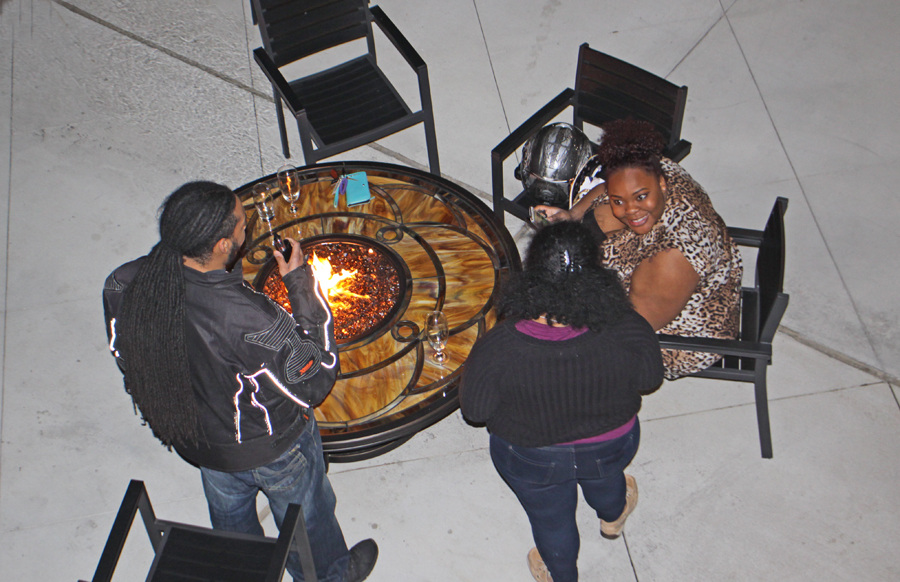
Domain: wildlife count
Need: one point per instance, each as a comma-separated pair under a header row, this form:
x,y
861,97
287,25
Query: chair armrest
x,y
512,142
279,83
715,346
396,37
518,137
679,151
747,237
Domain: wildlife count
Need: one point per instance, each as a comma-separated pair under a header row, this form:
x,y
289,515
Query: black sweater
x,y
536,393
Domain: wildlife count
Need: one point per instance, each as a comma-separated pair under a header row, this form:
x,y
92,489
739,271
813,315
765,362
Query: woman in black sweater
x,y
559,385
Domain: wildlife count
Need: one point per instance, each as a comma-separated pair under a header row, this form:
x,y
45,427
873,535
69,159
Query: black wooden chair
x,y
746,359
606,89
350,104
186,552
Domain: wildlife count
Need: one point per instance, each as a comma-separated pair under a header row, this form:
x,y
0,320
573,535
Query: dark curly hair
x,y
564,281
629,143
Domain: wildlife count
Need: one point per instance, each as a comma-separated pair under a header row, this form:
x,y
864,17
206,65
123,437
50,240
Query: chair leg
x,y
282,128
497,187
302,547
310,154
430,136
292,537
431,143
134,500
762,409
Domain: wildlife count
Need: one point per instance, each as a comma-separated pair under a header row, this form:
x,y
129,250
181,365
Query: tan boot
x,y
611,530
537,566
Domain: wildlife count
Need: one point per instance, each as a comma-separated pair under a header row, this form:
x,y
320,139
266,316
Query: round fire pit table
x,y
433,246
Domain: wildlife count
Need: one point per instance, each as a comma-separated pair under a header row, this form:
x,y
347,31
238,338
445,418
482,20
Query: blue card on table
x,y
357,188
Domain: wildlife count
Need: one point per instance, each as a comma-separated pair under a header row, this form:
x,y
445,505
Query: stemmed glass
x,y
437,331
262,199
265,208
289,183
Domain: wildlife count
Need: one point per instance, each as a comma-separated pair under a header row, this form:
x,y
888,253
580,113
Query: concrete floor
x,y
107,105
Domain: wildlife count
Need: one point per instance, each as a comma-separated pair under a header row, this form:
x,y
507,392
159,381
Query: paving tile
x,y
449,436
211,33
468,114
735,146
68,421
534,52
71,549
104,148
6,104
822,509
104,91
452,518
863,226
796,370
826,122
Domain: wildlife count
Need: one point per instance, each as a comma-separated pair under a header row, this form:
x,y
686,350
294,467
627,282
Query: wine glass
x,y
437,331
289,183
262,199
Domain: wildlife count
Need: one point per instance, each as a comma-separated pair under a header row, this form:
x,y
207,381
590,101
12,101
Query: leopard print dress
x,y
690,224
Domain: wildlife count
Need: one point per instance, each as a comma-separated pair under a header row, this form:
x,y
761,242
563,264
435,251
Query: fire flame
x,y
336,286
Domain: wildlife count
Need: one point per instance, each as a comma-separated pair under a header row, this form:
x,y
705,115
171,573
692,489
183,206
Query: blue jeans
x,y
545,480
297,476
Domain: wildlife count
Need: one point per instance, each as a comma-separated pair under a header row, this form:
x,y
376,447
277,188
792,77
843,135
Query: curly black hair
x,y
564,281
629,143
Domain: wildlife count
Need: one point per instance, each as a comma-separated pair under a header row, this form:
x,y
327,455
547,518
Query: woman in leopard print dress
x,y
662,236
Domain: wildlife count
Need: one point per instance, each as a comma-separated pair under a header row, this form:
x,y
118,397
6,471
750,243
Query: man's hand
x,y
298,259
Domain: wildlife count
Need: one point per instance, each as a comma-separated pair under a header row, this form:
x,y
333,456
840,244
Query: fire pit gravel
x,y
375,287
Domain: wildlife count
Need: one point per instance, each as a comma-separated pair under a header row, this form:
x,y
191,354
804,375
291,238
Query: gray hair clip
x,y
568,265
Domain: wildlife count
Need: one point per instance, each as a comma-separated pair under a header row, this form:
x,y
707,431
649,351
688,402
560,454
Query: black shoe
x,y
362,560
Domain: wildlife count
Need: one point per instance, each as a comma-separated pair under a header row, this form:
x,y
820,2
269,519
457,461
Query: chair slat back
x,y
608,88
770,271
749,314
294,29
194,554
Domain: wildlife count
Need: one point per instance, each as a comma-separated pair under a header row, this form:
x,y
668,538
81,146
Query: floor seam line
x,y
696,44
162,49
802,189
839,356
487,51
630,557
262,170
769,400
12,70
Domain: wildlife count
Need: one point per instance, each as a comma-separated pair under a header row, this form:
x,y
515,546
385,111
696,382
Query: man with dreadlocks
x,y
227,377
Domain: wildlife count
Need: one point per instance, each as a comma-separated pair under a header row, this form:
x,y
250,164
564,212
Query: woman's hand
x,y
297,258
661,286
553,213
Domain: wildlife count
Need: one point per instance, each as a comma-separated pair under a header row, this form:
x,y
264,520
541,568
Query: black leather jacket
x,y
256,371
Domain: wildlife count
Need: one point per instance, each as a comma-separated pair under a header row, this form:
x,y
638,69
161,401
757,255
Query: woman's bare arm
x,y
661,286
607,222
575,213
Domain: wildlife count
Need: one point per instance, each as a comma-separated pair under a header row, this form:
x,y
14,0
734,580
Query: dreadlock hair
x,y
564,281
152,318
629,143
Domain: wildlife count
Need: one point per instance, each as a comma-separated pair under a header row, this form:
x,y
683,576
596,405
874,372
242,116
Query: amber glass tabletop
x,y
444,250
